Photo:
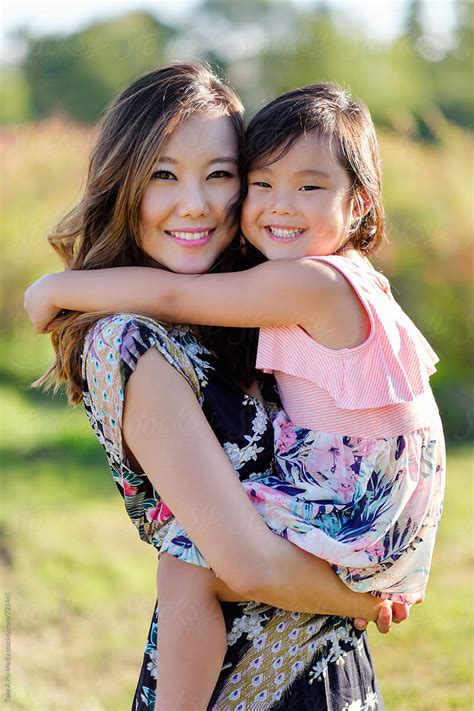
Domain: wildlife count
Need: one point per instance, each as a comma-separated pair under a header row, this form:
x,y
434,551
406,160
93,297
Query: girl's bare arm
x,y
275,293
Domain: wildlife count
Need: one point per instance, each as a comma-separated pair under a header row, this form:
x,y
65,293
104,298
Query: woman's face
x,y
183,220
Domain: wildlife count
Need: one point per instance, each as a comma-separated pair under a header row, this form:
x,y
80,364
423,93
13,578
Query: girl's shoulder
x,y
359,271
392,365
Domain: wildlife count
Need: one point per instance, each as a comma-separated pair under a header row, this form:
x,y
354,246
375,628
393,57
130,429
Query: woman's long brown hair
x,y
103,229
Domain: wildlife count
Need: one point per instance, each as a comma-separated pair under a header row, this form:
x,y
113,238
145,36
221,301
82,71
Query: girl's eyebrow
x,y
312,171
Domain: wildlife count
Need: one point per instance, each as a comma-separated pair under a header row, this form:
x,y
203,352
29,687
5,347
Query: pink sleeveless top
x,y
377,389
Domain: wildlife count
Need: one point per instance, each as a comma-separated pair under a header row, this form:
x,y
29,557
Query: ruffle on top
x,y
392,366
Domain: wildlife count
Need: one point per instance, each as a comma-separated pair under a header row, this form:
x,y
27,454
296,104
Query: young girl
x,y
359,447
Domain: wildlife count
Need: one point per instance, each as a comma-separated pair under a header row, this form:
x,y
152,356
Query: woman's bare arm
x,y
169,436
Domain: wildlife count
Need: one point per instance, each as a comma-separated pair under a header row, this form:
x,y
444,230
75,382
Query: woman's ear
x,y
361,203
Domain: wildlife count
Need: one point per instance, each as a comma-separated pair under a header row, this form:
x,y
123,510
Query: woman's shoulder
x,y
116,343
112,330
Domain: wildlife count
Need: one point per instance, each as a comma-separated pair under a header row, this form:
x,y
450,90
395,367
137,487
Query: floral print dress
x,y
275,659
360,453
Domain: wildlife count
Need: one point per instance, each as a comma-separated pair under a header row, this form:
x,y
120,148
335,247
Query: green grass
x,y
426,663
82,583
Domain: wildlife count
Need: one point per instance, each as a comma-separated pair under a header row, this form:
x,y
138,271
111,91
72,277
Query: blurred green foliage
x,y
419,96
78,74
265,47
86,595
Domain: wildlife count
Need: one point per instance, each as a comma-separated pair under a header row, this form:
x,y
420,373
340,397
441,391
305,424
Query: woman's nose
x,y
193,203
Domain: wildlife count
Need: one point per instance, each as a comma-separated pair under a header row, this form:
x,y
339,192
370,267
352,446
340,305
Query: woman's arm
x,y
275,293
169,436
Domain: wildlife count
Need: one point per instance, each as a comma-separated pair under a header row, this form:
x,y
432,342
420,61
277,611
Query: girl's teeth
x,y
190,236
284,233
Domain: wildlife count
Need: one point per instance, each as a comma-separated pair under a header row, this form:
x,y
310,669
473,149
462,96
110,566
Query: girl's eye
x,y
220,174
163,175
261,184
306,188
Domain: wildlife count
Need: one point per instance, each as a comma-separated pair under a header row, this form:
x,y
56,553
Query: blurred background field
x,y
81,582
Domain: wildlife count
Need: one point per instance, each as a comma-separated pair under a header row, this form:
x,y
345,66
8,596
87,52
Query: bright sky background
x,y
382,18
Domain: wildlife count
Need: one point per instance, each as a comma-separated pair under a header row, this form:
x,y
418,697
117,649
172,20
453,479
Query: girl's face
x,y
300,205
183,222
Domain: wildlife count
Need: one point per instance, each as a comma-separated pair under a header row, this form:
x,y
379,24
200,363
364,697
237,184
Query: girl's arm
x,y
275,293
168,435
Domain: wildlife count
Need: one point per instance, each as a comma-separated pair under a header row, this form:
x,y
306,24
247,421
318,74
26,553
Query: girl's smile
x,y
283,234
299,205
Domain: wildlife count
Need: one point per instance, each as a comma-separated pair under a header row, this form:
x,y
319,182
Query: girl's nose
x,y
282,206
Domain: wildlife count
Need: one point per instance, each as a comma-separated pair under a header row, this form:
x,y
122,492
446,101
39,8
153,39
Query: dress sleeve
x,y
111,352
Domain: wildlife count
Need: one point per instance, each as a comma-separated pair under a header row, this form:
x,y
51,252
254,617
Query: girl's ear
x,y
361,203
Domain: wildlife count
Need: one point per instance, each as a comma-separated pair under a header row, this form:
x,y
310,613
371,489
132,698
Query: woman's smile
x,y
191,236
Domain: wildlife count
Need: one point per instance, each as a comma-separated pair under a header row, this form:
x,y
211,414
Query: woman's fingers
x,y
360,623
400,611
395,612
384,619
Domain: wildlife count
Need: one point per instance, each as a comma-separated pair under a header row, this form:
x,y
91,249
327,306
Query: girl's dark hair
x,y
103,229
331,113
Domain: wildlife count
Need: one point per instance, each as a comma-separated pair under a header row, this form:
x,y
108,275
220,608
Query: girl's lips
x,y
284,234
191,237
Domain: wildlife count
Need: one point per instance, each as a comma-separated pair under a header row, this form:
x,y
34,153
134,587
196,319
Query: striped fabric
x,y
311,407
377,389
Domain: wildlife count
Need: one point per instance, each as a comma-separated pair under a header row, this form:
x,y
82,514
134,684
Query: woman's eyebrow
x,y
224,159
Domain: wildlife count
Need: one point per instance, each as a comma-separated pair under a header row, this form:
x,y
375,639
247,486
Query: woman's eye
x,y
163,175
305,188
220,174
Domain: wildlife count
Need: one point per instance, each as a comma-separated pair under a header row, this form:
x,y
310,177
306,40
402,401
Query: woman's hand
x,y
389,612
39,303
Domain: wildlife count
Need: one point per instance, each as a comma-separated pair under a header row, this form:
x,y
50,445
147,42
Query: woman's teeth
x,y
279,232
190,236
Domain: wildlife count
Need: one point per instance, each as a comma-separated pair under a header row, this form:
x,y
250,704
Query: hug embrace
x,y
291,479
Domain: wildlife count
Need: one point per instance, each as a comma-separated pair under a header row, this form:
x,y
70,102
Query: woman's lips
x,y
191,237
283,234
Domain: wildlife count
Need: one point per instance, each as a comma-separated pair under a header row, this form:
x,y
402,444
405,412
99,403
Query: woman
x,y
162,187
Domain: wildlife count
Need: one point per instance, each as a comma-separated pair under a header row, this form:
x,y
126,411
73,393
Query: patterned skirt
x,y
281,660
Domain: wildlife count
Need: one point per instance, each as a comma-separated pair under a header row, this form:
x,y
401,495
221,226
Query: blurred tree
x,y
246,11
79,74
15,97
316,51
414,25
452,81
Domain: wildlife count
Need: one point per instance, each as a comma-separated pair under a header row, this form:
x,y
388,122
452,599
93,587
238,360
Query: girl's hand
x,y
389,612
39,304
